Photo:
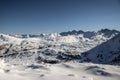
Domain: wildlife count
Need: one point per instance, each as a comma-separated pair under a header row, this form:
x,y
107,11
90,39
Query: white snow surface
x,y
62,71
57,57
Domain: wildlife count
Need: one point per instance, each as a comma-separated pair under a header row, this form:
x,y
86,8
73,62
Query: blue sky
x,y
38,16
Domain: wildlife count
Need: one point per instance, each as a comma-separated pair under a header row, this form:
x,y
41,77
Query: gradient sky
x,y
38,16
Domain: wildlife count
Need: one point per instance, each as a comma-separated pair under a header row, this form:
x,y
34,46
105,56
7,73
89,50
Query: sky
x,y
49,16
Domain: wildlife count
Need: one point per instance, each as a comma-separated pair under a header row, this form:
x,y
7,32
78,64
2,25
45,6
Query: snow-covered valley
x,y
73,55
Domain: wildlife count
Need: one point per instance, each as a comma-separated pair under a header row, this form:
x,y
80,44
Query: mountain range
x,y
102,47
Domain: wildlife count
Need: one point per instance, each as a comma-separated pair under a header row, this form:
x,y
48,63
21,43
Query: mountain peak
x,y
108,32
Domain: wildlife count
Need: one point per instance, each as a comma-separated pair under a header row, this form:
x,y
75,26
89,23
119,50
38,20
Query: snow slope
x,y
106,52
54,48
62,71
61,56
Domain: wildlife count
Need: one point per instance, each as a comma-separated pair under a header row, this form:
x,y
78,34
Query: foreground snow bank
x,y
62,71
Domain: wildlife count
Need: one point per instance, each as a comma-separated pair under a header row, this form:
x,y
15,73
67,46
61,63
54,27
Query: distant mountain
x,y
74,32
88,34
107,32
98,47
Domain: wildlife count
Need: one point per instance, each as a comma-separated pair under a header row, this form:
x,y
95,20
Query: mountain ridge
x,y
55,48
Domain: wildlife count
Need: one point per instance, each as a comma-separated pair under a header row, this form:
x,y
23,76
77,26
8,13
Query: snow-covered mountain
x,y
106,52
36,57
99,47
